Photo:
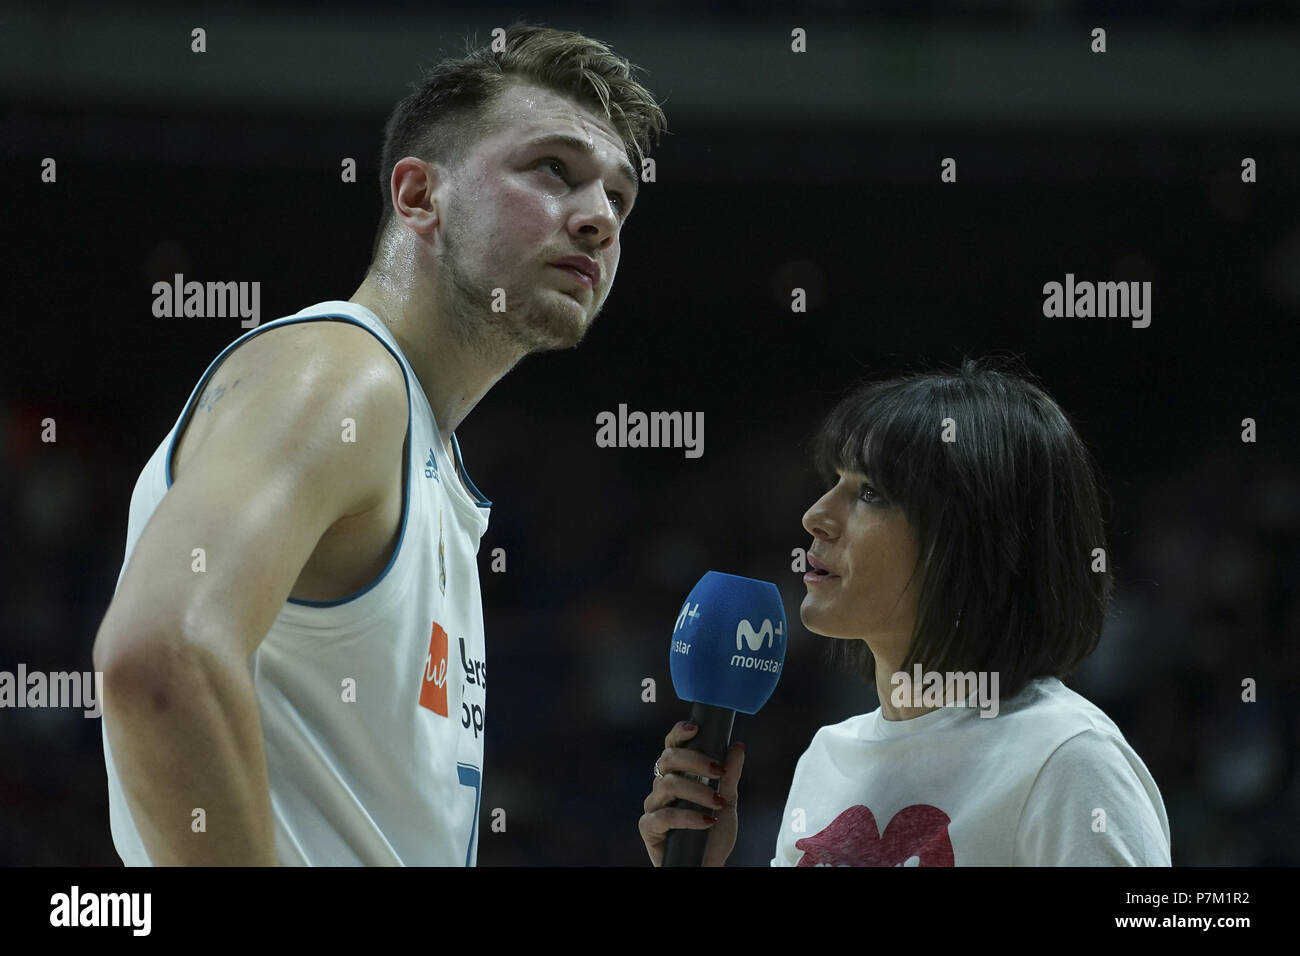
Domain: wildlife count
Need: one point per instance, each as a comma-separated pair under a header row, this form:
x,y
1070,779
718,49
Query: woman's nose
x,y
818,520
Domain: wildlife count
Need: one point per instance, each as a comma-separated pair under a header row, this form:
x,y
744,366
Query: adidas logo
x,y
431,467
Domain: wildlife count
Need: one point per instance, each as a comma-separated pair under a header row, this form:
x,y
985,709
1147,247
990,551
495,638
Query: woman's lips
x,y
819,572
819,577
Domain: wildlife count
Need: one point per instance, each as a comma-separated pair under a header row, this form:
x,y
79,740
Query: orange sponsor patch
x,y
433,689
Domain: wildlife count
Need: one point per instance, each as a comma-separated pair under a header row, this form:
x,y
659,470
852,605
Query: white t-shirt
x,y
1049,781
372,706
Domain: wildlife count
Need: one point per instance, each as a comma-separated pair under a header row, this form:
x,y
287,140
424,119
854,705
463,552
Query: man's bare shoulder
x,y
301,347
294,371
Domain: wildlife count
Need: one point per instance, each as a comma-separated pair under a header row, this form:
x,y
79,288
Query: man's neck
x,y
453,375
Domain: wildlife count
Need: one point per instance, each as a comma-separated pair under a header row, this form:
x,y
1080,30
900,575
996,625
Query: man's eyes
x,y
561,171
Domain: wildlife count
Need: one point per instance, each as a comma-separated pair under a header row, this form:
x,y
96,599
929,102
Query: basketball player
x,y
957,537
294,658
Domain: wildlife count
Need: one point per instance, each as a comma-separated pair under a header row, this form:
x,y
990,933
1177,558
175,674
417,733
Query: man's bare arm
x,y
270,476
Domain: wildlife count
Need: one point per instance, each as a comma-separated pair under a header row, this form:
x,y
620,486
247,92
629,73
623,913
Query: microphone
x,y
727,653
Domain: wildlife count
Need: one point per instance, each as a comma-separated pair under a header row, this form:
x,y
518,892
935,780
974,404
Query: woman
x,y
959,557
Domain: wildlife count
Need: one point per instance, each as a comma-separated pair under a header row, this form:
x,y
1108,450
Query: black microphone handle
x,y
686,847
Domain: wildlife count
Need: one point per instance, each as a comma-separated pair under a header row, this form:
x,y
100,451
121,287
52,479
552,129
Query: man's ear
x,y
413,191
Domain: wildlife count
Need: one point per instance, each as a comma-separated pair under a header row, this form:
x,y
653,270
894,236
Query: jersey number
x,y
471,777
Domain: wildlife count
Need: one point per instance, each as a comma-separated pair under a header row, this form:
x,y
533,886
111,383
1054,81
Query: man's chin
x,y
557,328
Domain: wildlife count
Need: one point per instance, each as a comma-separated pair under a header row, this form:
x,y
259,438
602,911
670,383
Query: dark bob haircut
x,y
1006,503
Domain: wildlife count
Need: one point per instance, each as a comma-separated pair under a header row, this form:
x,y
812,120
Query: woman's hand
x,y
660,816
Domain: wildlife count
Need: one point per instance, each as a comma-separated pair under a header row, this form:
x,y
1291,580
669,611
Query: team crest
x,y
442,558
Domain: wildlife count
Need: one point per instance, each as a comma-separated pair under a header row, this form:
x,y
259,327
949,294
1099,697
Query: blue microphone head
x,y
729,643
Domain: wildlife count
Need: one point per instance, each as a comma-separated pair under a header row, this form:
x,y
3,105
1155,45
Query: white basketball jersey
x,y
372,706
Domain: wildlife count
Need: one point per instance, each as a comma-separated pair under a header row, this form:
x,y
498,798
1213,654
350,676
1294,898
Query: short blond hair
x,y
451,108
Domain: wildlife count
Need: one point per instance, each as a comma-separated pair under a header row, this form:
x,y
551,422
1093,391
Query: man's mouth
x,y
577,274
585,268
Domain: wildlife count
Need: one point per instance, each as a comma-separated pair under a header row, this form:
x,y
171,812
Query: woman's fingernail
x,y
719,800
688,726
709,817
717,768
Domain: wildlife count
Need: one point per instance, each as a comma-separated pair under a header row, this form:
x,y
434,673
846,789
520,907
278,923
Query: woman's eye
x,y
868,494
559,166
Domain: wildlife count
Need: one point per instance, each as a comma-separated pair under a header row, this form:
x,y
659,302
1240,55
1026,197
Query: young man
x,y
293,662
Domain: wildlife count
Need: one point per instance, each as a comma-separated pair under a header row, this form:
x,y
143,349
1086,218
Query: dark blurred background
x,y
818,170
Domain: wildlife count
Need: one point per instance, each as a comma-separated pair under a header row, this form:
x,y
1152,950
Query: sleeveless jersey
x,y
372,706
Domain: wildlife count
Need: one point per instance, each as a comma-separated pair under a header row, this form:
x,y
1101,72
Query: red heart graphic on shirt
x,y
853,839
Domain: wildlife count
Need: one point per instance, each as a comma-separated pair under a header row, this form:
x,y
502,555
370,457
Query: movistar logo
x,y
745,634
755,663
